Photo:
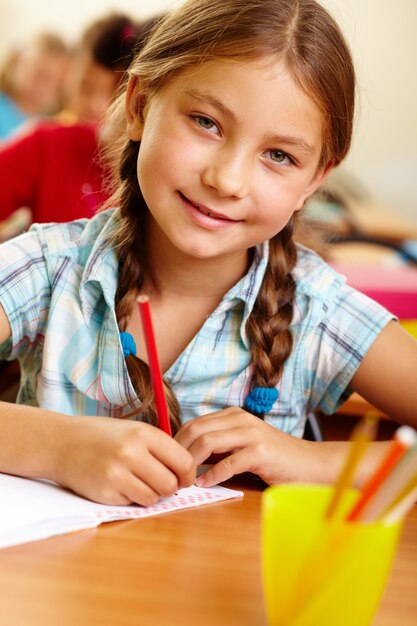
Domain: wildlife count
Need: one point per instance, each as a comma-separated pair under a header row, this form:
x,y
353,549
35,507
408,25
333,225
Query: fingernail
x,y
200,482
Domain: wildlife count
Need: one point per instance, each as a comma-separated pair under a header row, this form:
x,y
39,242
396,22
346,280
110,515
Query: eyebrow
x,y
293,141
207,98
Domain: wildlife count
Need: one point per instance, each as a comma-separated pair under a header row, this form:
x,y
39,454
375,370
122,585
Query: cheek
x,y
154,174
163,158
275,204
150,166
273,197
143,177
286,195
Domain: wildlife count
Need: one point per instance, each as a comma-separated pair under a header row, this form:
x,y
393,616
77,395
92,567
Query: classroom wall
x,y
383,39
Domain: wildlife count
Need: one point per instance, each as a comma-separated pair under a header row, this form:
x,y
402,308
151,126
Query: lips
x,y
207,211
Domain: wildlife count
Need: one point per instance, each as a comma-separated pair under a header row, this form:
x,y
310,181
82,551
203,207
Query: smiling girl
x,y
236,111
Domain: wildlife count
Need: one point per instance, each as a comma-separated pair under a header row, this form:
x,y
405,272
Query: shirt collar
x,y
100,273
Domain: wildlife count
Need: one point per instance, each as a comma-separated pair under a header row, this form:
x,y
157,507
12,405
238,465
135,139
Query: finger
x,y
158,477
219,442
231,465
123,489
231,417
139,492
174,457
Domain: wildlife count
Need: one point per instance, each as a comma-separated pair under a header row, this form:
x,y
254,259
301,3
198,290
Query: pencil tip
x,y
142,299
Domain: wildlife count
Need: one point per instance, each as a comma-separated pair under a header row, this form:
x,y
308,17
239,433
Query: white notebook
x,y
36,509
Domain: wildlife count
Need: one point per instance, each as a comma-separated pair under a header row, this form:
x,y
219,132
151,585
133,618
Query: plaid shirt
x,y
57,287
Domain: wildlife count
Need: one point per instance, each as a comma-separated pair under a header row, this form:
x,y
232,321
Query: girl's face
x,y
39,79
91,88
229,151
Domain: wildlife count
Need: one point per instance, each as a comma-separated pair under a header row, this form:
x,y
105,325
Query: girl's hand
x,y
251,446
119,462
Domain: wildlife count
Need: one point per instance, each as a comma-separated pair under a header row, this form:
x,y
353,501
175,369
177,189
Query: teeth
x,y
203,210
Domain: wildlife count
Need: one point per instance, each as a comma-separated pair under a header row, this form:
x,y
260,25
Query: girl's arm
x,y
114,461
248,444
385,378
108,460
388,373
5,330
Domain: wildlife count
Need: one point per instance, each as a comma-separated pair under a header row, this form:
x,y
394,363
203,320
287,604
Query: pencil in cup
x,y
402,504
309,561
154,367
393,473
363,433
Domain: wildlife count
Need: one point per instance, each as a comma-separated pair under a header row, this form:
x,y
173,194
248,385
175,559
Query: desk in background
x,y
199,567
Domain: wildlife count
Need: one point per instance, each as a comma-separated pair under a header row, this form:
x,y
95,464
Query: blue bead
x,y
261,399
128,344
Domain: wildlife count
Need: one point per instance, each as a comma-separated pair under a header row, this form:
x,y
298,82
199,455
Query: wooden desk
x,y
196,567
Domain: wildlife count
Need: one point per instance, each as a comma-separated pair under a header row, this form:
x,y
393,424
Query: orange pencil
x,y
154,367
403,439
363,433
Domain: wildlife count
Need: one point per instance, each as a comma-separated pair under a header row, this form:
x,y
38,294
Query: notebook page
x,y
183,499
36,509
31,509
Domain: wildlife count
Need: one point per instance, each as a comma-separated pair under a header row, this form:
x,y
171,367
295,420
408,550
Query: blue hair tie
x,y
261,399
128,344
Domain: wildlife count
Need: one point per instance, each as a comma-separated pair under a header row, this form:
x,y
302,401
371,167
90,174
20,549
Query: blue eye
x,y
206,123
278,156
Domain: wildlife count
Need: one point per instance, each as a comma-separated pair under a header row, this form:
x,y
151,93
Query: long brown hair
x,y
303,35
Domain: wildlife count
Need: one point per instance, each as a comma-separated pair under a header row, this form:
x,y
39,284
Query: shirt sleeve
x,y
24,294
350,324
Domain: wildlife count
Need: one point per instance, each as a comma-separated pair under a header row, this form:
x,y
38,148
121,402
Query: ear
x,y
134,108
318,178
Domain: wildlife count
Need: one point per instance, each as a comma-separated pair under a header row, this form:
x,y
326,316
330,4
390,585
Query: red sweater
x,y
54,170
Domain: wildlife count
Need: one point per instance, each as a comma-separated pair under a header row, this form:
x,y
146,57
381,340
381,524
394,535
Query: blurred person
x,y
98,66
32,81
54,168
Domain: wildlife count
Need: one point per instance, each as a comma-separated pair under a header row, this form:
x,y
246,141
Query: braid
x,y
129,247
268,325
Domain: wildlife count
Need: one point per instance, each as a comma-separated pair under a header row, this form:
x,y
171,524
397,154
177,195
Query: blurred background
x,y
383,39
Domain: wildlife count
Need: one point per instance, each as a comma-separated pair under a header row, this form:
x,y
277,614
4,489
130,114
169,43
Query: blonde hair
x,y
45,44
306,38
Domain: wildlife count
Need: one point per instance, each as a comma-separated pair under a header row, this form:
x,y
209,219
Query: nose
x,y
228,172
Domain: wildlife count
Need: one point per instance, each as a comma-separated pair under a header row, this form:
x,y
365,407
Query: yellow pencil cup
x,y
318,572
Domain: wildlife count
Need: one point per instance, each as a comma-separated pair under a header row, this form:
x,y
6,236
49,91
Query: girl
x,y
104,53
31,163
32,81
236,112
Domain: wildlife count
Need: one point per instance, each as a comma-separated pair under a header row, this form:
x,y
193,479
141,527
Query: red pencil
x,y
154,367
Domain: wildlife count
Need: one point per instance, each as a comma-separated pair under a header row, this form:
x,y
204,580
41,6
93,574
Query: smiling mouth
x,y
206,211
